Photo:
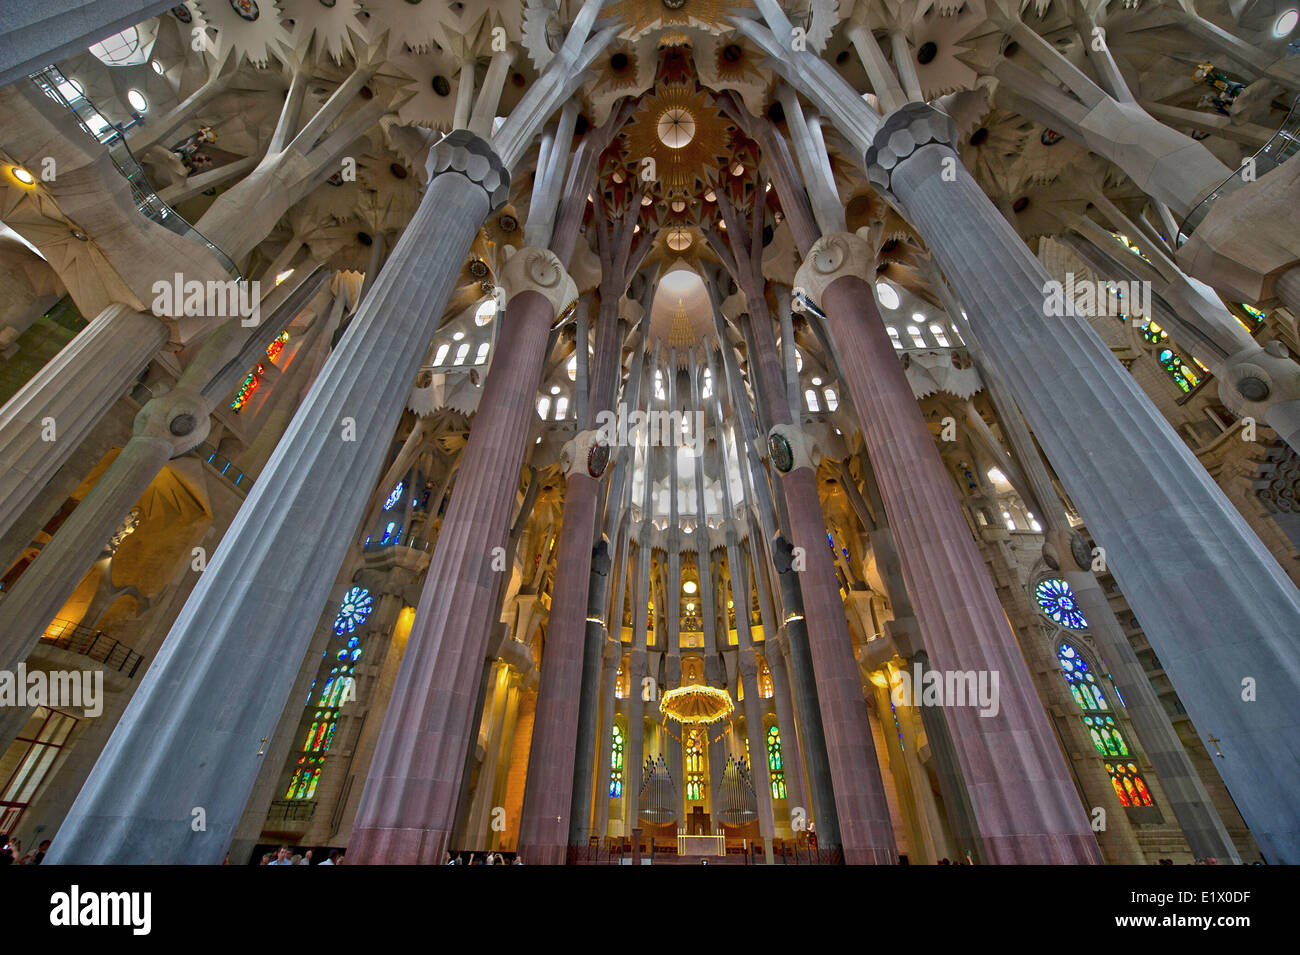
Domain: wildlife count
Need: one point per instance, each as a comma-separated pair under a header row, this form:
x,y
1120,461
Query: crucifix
x,y
1215,740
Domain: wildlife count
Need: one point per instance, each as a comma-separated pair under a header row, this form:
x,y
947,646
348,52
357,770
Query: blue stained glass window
x,y
392,533
356,607
394,497
1057,601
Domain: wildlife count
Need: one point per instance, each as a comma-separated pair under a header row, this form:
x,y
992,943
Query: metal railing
x,y
95,644
63,91
1281,146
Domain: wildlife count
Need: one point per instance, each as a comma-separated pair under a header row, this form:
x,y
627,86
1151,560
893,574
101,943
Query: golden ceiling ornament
x,y
645,16
678,168
696,704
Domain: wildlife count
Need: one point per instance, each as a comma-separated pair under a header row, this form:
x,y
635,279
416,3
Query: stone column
x,y
409,803
791,758
548,796
191,734
44,422
1029,817
1188,563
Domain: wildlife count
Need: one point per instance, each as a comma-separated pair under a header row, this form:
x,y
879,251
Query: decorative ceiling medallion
x,y
598,459
508,223
183,14
782,453
674,4
676,127
246,9
478,268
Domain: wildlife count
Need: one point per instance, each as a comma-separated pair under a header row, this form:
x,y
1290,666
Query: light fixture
x,y
137,101
689,587
888,297
1285,23
22,175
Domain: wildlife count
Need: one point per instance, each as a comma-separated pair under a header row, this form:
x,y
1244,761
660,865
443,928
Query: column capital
x,y
180,418
1257,378
832,257
584,453
540,270
903,132
792,448
474,158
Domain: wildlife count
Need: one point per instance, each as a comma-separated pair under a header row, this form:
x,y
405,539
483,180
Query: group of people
x,y
286,856
489,858
11,852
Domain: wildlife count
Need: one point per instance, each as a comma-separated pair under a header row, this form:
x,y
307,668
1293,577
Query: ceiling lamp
x,y
676,127
22,175
695,704
689,587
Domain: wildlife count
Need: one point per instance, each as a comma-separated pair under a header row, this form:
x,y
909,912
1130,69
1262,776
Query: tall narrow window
x,y
893,337
461,353
481,357
441,354
1130,790
694,766
561,407
937,331
811,397
774,767
832,399
616,764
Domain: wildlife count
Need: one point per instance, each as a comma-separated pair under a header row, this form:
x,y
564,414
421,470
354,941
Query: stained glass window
x,y
1183,375
694,767
774,767
1057,601
392,533
356,607
395,497
616,764
1130,790
305,778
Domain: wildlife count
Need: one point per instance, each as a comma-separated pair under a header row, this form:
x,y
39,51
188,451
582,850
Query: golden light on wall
x,y
696,704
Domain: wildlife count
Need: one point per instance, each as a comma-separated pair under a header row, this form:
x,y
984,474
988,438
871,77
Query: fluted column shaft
x,y
44,422
544,826
191,734
408,806
1032,816
1188,563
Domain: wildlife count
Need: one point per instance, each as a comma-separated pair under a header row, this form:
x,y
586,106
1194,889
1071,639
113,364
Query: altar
x,y
700,845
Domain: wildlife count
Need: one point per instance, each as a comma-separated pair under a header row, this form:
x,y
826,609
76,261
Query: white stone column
x,y
190,736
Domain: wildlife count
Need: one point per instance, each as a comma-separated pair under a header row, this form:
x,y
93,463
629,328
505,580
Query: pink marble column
x,y
544,824
866,833
1026,806
408,807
